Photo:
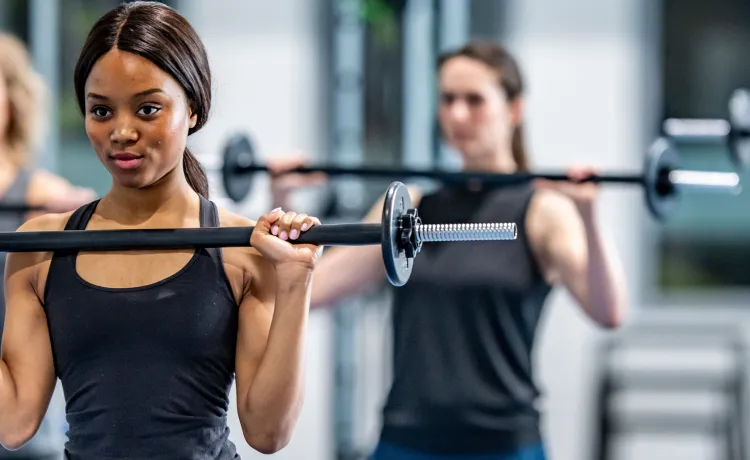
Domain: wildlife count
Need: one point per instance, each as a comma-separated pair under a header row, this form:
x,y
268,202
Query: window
x,y
704,58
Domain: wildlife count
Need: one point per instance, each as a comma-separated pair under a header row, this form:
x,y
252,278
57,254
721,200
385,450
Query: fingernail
x,y
275,229
282,236
275,210
293,234
304,226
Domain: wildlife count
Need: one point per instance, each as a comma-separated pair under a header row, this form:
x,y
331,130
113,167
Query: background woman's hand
x,y
583,194
284,182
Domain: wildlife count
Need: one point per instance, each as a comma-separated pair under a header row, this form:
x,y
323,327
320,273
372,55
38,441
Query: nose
x,y
124,133
458,111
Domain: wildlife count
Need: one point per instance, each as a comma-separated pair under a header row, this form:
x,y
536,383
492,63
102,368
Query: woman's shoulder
x,y
22,260
230,219
237,255
48,222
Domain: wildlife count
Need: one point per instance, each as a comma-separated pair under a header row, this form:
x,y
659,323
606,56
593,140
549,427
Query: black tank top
x,y
146,371
464,328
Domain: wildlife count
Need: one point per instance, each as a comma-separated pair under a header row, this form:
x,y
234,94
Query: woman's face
x,y
475,115
137,118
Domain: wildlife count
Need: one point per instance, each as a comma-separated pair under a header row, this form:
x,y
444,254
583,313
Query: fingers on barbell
x,y
290,225
301,224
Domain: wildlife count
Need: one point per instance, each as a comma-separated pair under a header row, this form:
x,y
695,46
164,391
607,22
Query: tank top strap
x,y
81,216
209,218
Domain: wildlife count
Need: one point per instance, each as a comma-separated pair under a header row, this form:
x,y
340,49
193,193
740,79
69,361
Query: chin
x,y
469,155
132,181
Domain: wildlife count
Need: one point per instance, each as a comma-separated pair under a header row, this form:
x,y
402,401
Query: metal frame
x,y
347,128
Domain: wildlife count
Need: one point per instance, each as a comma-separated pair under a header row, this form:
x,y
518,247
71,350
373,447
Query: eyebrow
x,y
141,94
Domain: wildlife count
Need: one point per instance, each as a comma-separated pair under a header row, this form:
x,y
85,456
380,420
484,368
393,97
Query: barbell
x,y
732,132
400,233
661,178
20,208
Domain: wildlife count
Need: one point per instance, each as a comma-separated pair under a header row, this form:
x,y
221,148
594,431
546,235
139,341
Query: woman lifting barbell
x,y
464,325
147,344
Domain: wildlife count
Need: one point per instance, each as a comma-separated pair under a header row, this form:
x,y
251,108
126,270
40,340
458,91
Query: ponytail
x,y
519,150
195,174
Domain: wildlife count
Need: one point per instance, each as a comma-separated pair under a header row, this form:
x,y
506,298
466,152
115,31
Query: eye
x,y
99,111
474,99
148,110
447,98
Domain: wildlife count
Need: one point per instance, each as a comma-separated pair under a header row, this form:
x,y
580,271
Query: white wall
x,y
267,59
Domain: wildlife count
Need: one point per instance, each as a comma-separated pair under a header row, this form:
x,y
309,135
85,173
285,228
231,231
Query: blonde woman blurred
x,y
22,113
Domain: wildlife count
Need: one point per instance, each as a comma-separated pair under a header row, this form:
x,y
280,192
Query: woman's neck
x,y
493,162
169,199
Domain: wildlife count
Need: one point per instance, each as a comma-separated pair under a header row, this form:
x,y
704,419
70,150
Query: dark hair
x,y
161,35
510,80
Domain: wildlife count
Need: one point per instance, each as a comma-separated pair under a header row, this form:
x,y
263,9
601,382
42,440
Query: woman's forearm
x,y
606,288
274,399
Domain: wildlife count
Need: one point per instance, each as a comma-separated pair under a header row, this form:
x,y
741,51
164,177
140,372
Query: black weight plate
x,y
739,118
660,158
397,266
238,152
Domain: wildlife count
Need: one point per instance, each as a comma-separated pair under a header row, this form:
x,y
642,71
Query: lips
x,y
126,156
127,160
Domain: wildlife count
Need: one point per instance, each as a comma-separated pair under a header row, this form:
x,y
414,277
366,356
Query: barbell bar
x,y
401,235
20,208
661,178
732,132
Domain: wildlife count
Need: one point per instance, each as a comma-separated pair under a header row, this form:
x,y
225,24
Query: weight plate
x,y
238,152
397,266
739,119
661,197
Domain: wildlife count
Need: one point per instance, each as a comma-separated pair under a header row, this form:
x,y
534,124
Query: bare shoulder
x,y
416,193
31,262
548,210
550,206
242,264
231,219
46,223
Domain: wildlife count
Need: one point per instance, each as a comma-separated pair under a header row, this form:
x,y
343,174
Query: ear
x,y
193,117
516,110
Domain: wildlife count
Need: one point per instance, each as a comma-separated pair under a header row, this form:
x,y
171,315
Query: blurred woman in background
x,y
22,113
465,324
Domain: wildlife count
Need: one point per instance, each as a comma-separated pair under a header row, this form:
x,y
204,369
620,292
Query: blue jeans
x,y
386,451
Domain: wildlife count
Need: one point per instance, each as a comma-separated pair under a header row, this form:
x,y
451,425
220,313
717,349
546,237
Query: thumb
x,y
266,221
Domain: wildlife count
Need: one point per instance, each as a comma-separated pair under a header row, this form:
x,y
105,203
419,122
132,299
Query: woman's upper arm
x,y
255,315
26,348
558,237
